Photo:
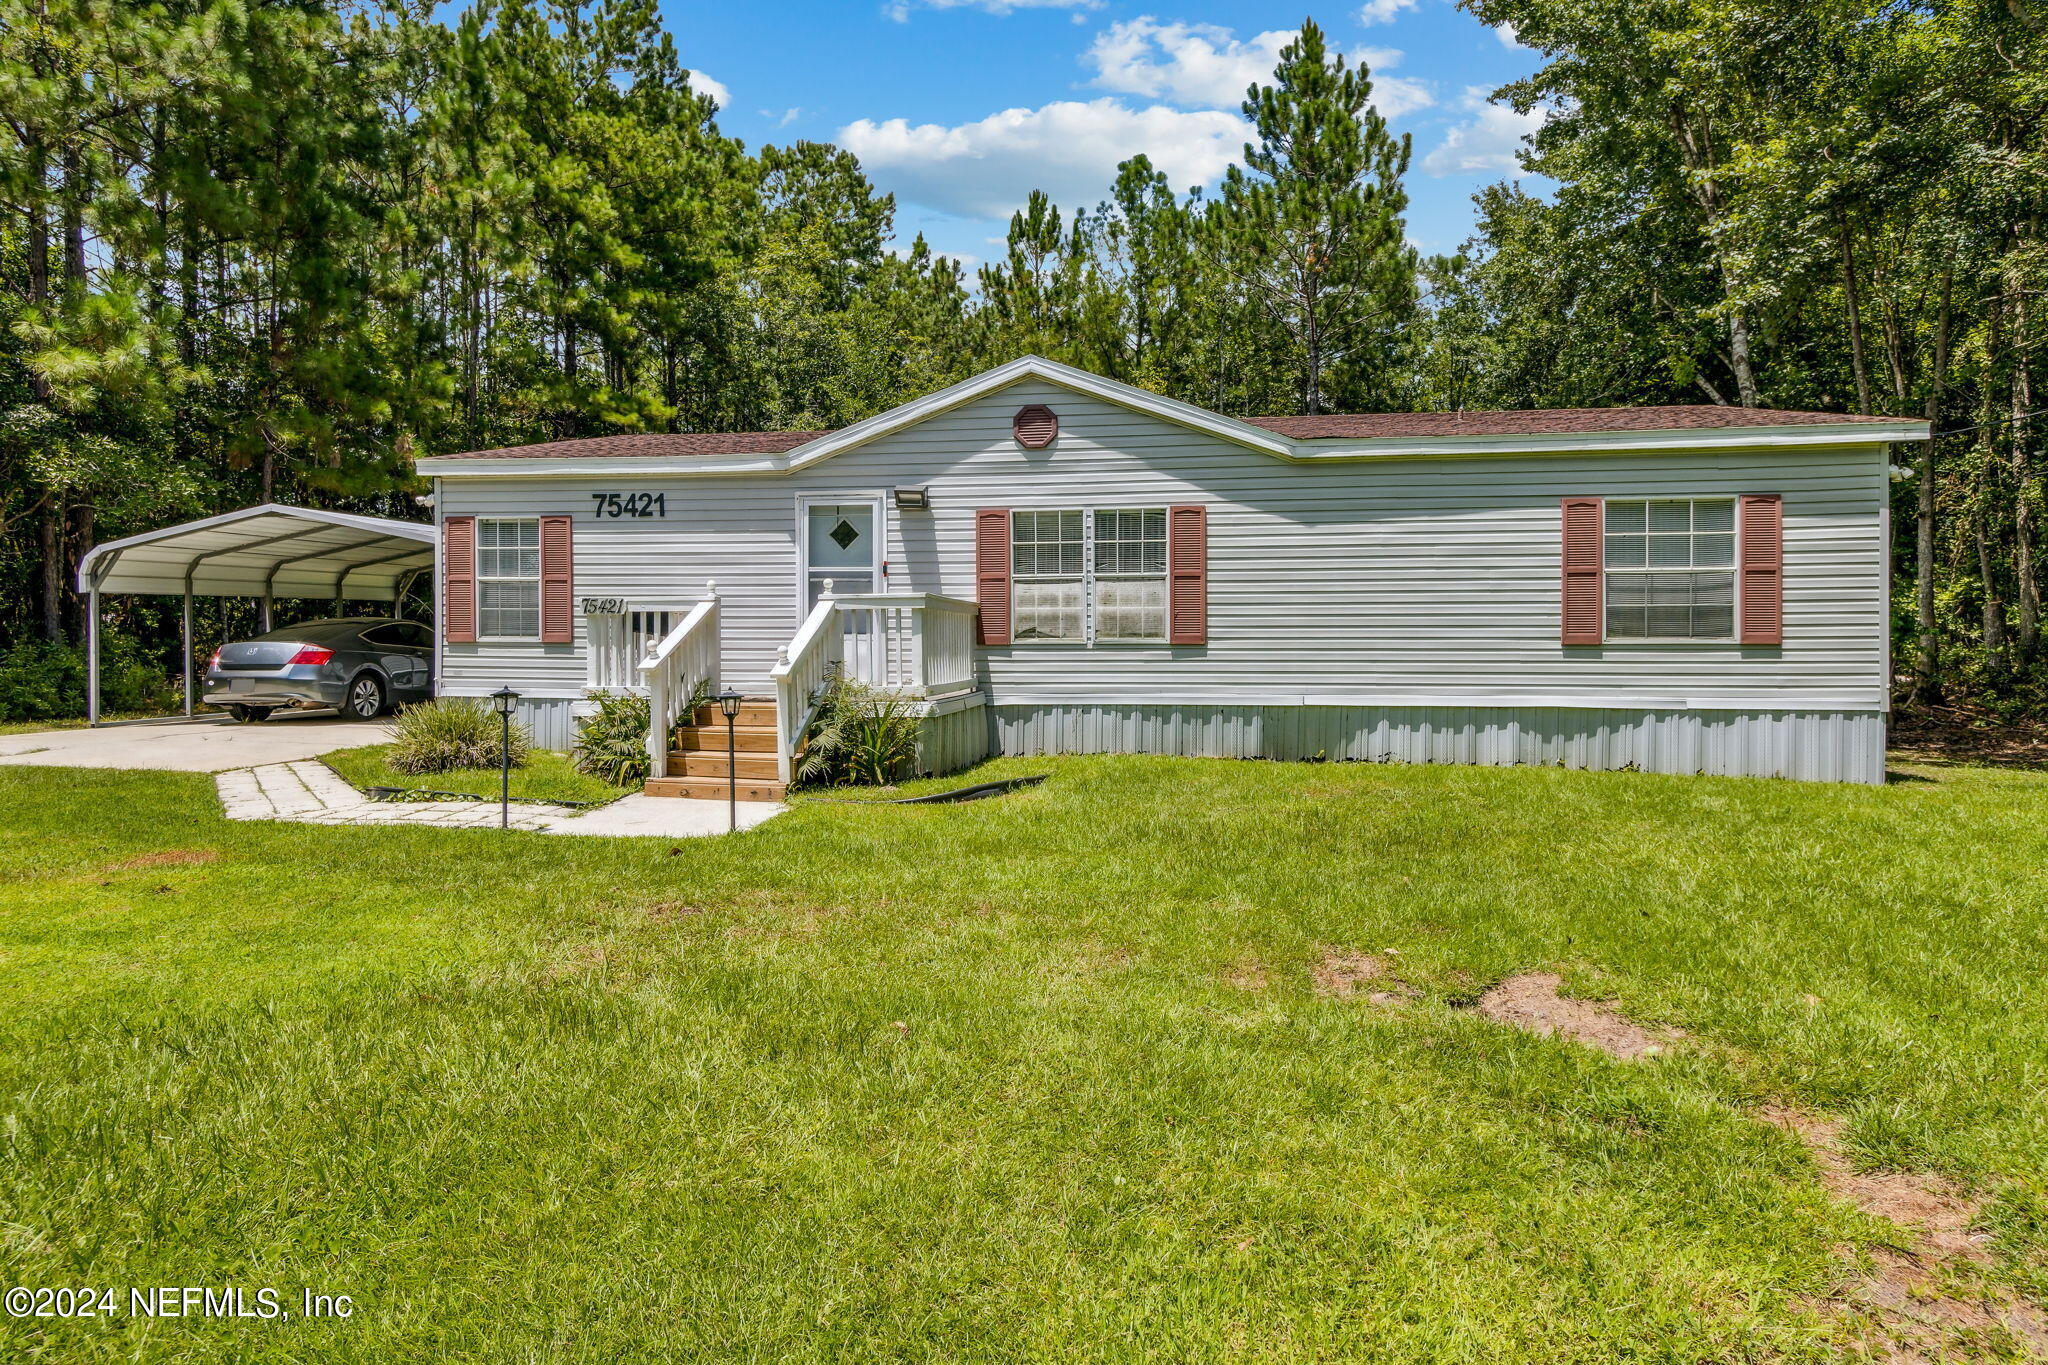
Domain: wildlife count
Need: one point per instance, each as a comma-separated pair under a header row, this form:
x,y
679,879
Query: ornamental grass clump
x,y
861,736
454,732
611,742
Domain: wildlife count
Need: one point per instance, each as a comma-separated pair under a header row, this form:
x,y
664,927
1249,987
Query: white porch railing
x,y
616,644
916,644
672,671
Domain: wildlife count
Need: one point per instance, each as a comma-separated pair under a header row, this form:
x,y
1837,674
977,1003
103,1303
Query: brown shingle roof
x,y
1358,426
1354,426
649,445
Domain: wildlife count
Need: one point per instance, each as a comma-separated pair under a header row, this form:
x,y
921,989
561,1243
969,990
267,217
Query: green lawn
x,y
546,776
1039,1077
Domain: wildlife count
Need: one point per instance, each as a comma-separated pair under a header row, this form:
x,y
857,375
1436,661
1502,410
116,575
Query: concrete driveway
x,y
193,746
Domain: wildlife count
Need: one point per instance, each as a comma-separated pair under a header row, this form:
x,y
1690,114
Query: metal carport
x,y
264,552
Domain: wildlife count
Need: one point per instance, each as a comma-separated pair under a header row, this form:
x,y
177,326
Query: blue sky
x,y
962,107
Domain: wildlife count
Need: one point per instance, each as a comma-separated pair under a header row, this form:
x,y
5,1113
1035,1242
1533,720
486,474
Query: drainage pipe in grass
x,y
973,793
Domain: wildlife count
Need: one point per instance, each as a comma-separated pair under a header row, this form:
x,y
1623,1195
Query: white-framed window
x,y
1089,575
508,578
1670,568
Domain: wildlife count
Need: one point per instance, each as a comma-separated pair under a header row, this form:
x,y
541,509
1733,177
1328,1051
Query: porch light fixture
x,y
729,706
913,499
505,700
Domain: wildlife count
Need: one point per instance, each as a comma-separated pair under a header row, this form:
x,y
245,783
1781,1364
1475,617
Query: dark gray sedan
x,y
359,665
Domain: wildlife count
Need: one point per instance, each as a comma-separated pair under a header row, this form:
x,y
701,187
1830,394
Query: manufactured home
x,y
1054,562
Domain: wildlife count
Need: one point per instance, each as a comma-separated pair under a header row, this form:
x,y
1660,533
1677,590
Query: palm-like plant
x,y
861,736
611,742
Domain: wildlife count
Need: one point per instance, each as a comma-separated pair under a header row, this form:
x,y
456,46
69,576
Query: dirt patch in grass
x,y
1532,1002
1247,974
1342,975
673,910
169,857
1902,1293
582,959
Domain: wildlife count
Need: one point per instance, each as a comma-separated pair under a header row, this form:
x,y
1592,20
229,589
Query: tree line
x,y
279,248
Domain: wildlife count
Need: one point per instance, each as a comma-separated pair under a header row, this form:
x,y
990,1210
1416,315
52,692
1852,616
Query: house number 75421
x,y
631,504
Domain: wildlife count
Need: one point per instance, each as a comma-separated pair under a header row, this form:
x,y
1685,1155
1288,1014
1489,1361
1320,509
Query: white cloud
x,y
899,10
1393,96
1382,11
1194,64
787,117
1509,39
1069,149
1486,142
1207,66
704,85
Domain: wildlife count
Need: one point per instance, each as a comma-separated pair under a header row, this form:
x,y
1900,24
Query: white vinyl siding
x,y
508,578
1670,568
1406,582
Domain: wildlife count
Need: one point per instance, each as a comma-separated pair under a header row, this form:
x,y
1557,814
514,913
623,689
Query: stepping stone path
x,y
310,792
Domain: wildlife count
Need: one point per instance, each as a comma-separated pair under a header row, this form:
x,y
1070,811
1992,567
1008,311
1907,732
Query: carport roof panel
x,y
285,551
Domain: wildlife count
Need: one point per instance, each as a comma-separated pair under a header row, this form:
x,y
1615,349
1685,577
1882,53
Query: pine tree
x,y
1311,230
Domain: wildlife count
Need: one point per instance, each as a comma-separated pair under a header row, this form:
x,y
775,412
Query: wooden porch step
x,y
711,763
754,711
713,788
745,738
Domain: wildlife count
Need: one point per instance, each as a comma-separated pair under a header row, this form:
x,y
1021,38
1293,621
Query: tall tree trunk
x,y
50,542
74,219
1927,672
1993,601
188,285
2019,449
38,244
1695,137
1993,611
1855,310
1738,358
84,522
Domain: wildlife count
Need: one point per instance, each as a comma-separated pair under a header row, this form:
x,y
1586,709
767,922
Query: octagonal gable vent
x,y
1035,426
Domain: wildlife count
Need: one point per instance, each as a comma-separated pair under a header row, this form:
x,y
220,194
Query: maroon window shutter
x,y
557,583
992,574
1760,519
458,580
1187,574
1583,590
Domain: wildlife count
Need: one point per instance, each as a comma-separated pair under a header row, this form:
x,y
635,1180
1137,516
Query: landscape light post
x,y
505,699
729,704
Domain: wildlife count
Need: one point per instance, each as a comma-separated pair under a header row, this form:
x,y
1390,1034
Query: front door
x,y
840,543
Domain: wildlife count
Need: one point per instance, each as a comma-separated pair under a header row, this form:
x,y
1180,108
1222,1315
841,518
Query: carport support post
x,y
92,653
188,651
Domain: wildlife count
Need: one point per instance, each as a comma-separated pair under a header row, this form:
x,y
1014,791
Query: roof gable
x,y
1051,371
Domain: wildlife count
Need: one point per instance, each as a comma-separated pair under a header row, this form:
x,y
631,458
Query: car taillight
x,y
214,662
312,654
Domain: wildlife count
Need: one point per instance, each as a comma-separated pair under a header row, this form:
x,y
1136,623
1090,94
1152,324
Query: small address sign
x,y
630,504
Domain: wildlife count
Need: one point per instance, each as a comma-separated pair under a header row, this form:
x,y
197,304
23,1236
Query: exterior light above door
x,y
918,499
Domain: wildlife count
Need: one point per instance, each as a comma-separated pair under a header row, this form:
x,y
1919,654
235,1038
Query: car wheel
x,y
249,715
365,699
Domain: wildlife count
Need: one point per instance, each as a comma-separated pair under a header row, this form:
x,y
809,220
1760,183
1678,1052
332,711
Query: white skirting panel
x,y
551,721
953,739
1818,746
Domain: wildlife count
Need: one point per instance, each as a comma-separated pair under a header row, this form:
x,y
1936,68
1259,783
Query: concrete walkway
x,y
193,746
311,793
